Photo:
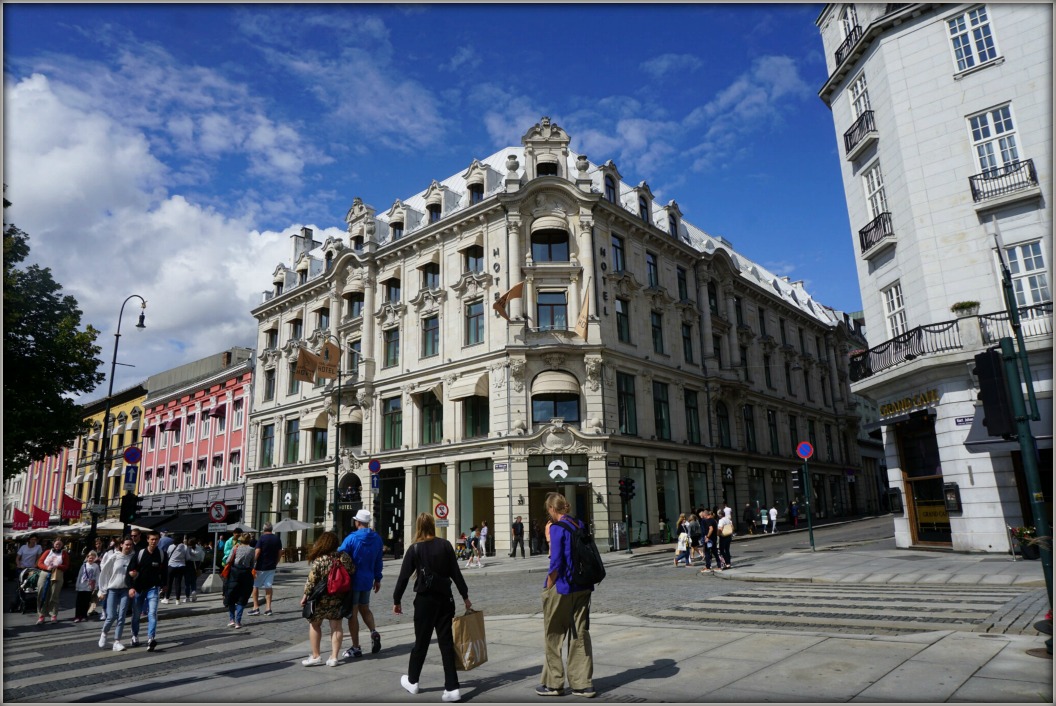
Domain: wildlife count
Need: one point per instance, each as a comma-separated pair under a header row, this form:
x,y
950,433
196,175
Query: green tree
x,y
47,358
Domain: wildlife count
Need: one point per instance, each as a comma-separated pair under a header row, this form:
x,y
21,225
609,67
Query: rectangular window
x,y
205,427
218,469
392,291
767,373
476,193
201,474
771,425
432,419
683,284
971,39
392,416
1029,277
811,436
318,441
762,321
297,329
687,342
656,320
619,261
806,385
430,276
475,416
192,420
221,424
793,434
323,319
355,305
267,445
176,435
238,414
355,352
430,336
271,339
784,334
474,323
873,180
235,464
295,384
628,413
744,364
859,94
652,271
623,321
473,259
661,412
828,443
552,311
392,347
293,440
749,428
692,417
994,140
788,379
716,349
894,310
738,309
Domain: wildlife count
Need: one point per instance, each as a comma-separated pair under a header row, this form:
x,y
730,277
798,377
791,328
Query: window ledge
x,y
996,61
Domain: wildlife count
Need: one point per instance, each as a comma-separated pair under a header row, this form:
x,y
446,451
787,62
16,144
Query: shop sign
x,y
500,466
908,404
935,514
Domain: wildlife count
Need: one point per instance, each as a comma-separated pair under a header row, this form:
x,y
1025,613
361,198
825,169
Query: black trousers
x,y
175,578
433,613
516,541
84,598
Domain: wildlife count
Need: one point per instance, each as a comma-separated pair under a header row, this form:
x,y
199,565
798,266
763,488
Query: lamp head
x,y
142,316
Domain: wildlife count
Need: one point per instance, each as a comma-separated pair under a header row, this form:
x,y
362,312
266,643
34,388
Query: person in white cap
x,y
365,547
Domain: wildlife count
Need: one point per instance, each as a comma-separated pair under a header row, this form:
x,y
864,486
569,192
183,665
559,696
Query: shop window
x,y
550,245
723,416
628,413
475,417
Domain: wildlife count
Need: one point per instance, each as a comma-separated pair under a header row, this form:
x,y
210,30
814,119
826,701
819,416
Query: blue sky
x,y
170,150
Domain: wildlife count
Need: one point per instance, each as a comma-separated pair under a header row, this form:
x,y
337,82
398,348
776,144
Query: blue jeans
x,y
116,607
190,579
235,611
150,597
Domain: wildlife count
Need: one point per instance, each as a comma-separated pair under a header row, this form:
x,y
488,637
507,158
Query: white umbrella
x,y
241,526
113,525
290,525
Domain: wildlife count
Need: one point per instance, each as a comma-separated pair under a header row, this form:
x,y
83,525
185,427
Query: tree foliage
x,y
47,358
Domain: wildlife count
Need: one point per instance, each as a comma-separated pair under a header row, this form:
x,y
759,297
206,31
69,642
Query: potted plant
x,y
1028,541
965,308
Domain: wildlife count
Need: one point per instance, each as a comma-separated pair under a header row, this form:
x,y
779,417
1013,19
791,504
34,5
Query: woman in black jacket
x,y
435,565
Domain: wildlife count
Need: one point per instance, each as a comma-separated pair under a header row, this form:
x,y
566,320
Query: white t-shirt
x,y
28,556
728,512
723,522
773,514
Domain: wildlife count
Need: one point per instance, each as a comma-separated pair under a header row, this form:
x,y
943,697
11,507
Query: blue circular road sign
x,y
804,450
374,465
132,455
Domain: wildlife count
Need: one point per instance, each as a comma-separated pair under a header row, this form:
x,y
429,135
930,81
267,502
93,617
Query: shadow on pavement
x,y
485,684
659,669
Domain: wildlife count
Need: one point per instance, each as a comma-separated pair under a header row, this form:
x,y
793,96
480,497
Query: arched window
x,y
555,394
550,245
723,415
546,169
643,208
610,189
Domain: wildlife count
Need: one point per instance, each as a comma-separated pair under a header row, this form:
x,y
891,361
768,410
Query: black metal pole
x,y
337,442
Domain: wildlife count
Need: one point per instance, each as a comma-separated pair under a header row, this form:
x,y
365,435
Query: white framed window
x,y
873,181
994,139
221,424
218,469
1029,277
235,464
164,436
237,405
205,426
894,310
191,421
859,96
971,38
848,19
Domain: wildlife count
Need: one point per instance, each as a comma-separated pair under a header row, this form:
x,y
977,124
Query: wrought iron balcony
x,y
923,340
1034,321
864,127
844,49
1004,180
873,236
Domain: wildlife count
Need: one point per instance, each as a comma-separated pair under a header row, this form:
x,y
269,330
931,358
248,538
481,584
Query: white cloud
x,y
665,64
465,56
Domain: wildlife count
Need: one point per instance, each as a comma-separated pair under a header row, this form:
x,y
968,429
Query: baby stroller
x,y
462,550
26,596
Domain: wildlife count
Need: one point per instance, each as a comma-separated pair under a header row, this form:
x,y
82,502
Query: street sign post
x,y
217,527
374,466
375,481
132,455
441,511
805,450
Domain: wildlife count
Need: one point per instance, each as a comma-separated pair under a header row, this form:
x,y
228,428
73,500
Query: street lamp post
x,y
104,452
337,424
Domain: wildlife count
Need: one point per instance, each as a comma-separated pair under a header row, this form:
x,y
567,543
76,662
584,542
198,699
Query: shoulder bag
x,y
429,581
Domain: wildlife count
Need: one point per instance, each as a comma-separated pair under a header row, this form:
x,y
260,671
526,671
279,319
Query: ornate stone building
x,y
636,345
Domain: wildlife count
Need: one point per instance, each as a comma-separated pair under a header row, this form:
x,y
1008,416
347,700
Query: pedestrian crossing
x,y
844,607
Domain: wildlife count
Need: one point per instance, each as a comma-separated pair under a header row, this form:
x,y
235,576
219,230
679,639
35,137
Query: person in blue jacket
x,y
365,547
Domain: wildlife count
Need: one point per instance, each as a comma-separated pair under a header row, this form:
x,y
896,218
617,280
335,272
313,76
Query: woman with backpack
x,y
434,564
238,586
321,560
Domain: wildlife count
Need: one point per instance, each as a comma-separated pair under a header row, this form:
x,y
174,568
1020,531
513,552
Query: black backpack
x,y
587,567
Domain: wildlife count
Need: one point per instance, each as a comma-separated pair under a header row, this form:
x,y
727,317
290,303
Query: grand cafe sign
x,y
908,404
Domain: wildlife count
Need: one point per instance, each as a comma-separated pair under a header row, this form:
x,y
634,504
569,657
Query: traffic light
x,y
129,508
626,489
993,391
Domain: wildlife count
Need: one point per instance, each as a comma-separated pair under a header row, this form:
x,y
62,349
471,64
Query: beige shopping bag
x,y
471,645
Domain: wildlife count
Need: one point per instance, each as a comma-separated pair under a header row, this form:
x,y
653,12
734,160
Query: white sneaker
x,y
102,639
312,661
194,596
331,662
451,695
406,684
118,646
165,601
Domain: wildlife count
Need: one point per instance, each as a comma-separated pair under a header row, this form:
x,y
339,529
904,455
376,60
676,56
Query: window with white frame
x,y
205,426
218,469
894,310
873,179
221,423
859,96
201,474
191,420
238,414
235,464
1031,281
848,19
994,140
971,38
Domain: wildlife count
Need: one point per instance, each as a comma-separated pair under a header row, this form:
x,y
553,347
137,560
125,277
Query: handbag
x,y
308,609
727,530
317,592
471,645
226,571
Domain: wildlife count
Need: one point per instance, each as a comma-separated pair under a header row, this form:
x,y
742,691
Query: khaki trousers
x,y
560,612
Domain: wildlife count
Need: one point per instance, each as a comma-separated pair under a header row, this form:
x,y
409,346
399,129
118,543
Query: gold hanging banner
x,y
326,364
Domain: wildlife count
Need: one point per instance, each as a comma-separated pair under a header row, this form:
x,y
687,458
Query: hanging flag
x,y
19,520
327,362
584,313
516,291
41,518
307,362
71,507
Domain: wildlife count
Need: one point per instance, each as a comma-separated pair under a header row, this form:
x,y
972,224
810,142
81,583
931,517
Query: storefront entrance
x,y
388,510
922,474
573,485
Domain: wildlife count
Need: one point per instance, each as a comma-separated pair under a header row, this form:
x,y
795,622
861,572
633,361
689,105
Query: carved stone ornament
x,y
594,371
556,438
333,244
582,165
554,360
745,334
328,406
389,314
428,300
497,375
545,130
472,283
659,298
623,283
512,165
517,367
688,311
365,399
291,348
269,357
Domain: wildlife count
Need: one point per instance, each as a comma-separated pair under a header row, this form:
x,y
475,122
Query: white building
x,y
943,116
694,370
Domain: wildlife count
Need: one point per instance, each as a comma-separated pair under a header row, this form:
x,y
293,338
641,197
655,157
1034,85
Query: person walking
x,y
29,553
177,567
239,584
230,544
165,543
795,515
724,542
54,563
195,556
114,591
474,548
364,546
566,611
749,518
435,566
484,549
696,551
321,558
87,578
773,519
518,537
147,573
709,529
266,558
682,548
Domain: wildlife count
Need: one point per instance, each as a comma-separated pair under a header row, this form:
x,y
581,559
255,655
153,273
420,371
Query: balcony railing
x,y
844,49
1007,179
862,127
934,338
1034,321
878,229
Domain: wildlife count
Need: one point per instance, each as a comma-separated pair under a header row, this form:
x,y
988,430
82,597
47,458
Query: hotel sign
x,y
908,404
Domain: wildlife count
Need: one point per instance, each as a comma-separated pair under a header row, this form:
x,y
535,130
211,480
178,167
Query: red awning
x,y
172,424
149,431
218,411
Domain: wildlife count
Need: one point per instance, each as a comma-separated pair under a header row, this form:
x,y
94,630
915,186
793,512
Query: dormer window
x,y
278,288
397,231
357,243
473,259
550,245
430,275
672,226
610,189
546,169
302,276
329,261
392,290
476,193
643,208
434,212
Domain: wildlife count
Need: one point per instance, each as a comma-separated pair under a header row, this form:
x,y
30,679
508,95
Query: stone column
x,y
705,309
369,307
301,536
514,259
